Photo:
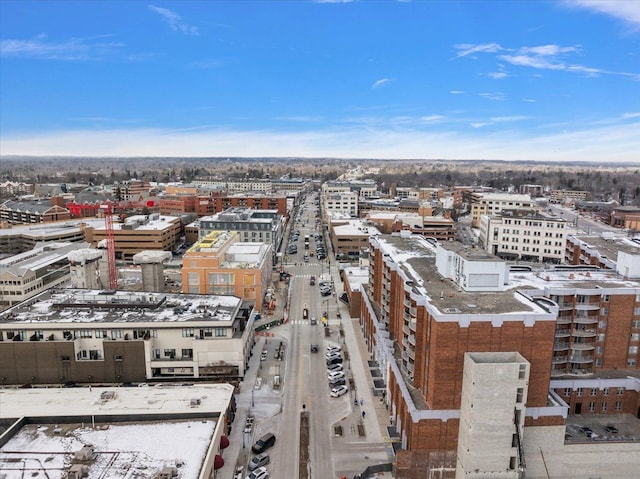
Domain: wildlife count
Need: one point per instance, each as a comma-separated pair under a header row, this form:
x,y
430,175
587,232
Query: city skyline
x,y
534,81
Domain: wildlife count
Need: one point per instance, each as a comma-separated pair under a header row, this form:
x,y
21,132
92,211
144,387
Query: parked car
x,y
335,367
258,461
314,348
587,431
333,355
337,382
336,360
611,429
263,356
333,349
264,443
314,321
335,375
260,473
338,391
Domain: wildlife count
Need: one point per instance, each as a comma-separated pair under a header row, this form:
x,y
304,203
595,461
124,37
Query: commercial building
x,y
428,304
494,203
339,200
117,336
25,275
105,431
350,238
220,264
524,234
15,188
606,251
627,217
137,233
256,226
16,239
567,196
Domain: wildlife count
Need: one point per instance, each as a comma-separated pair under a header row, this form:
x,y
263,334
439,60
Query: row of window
x,y
594,391
204,332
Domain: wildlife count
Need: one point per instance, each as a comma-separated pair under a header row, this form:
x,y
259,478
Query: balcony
x,y
564,320
563,333
560,359
560,371
586,320
587,306
412,326
581,359
412,354
561,346
583,346
583,333
406,330
413,312
407,303
412,340
565,306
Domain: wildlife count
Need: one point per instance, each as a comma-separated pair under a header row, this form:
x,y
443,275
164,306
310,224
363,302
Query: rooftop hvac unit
x,y
84,454
167,473
78,471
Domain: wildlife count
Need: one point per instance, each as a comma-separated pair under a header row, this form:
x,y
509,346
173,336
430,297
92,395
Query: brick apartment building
x,y
426,305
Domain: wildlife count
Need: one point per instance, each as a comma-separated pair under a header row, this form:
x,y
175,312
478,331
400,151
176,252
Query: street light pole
x,y
252,404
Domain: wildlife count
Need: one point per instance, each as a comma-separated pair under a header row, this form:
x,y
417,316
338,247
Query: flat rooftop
x,y
39,257
46,445
98,306
609,247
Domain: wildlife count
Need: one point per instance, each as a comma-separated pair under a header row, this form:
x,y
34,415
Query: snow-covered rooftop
x,y
98,306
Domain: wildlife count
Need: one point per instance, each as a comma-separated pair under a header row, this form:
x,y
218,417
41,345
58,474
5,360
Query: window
x,y
594,391
618,405
221,332
116,334
117,357
601,337
604,311
170,353
631,362
95,355
592,407
567,391
635,323
605,391
84,333
187,332
522,371
602,324
519,395
606,297
187,354
101,333
635,336
636,311
620,391
633,349
604,406
598,362
579,392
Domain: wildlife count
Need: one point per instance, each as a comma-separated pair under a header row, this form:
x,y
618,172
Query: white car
x,y
335,375
260,473
333,349
335,367
338,391
333,355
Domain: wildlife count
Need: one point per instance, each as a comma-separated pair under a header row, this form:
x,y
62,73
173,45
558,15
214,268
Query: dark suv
x,y
264,443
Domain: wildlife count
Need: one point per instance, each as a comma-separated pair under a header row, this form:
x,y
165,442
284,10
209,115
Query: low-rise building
x,y
29,212
16,239
350,238
25,275
118,336
137,233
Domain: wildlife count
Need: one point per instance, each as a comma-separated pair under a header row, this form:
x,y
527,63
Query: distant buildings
x,y
16,239
102,336
29,212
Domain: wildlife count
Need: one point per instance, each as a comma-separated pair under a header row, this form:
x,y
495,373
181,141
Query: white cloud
x,y
599,144
529,100
174,20
548,50
380,82
74,49
468,49
498,75
496,96
456,92
626,10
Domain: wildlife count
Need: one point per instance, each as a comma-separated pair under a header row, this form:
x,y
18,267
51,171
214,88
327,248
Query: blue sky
x,y
540,80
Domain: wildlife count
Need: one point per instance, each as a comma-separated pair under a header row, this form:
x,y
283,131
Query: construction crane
x,y
111,246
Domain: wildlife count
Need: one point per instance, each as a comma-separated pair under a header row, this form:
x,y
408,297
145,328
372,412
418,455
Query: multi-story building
x,y
28,212
27,274
494,203
220,264
349,239
531,190
16,239
567,196
137,233
341,203
117,336
237,185
11,188
605,252
524,234
428,304
131,190
255,226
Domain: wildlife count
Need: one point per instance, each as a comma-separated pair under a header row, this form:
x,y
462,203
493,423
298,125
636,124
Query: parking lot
x,y
602,427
